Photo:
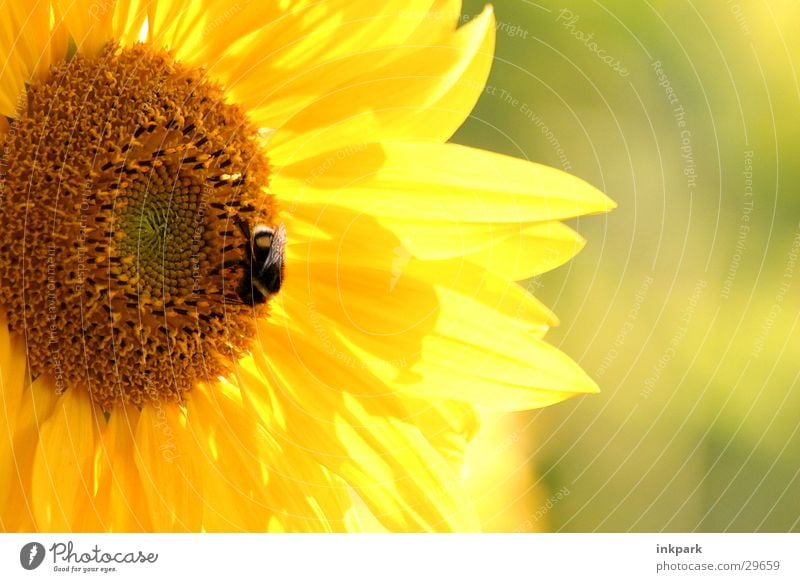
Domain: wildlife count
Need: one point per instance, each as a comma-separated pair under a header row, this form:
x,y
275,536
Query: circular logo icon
x,y
31,555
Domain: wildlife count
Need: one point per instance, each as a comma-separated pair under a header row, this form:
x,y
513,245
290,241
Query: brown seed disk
x,y
119,179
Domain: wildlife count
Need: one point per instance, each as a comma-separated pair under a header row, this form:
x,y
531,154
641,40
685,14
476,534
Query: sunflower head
x,y
135,172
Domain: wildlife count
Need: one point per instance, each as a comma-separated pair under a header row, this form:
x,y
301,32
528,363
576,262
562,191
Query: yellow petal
x,y
434,503
314,31
123,507
254,47
59,44
302,35
442,17
297,54
166,457
444,329
424,93
129,17
63,465
485,349
359,430
447,240
358,266
28,47
232,461
202,32
89,22
530,251
453,425
38,402
13,386
445,200
299,487
190,30
13,382
438,182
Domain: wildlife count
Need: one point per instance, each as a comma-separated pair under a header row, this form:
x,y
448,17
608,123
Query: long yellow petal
x,y
452,425
436,183
28,47
443,17
479,351
424,93
63,466
302,494
305,33
530,251
13,385
89,22
13,381
166,457
355,265
254,47
232,460
297,53
448,329
119,498
128,20
360,431
278,81
462,361
38,403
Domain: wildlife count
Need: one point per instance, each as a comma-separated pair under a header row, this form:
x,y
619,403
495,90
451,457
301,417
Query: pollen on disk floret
x,y
123,174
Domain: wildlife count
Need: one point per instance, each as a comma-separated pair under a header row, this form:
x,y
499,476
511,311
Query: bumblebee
x,y
263,264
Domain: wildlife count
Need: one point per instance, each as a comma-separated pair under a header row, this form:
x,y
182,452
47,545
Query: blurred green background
x,y
684,304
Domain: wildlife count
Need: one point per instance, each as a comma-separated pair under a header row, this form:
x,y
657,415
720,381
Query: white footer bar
x,y
401,557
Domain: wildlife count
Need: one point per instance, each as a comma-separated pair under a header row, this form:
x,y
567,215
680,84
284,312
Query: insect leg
x,y
227,265
245,228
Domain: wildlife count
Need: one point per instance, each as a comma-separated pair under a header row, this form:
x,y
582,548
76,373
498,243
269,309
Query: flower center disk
x,y
119,254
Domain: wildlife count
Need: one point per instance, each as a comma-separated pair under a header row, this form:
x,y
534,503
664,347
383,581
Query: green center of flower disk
x,y
121,178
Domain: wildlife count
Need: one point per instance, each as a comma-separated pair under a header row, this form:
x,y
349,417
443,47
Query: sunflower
x,y
154,153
